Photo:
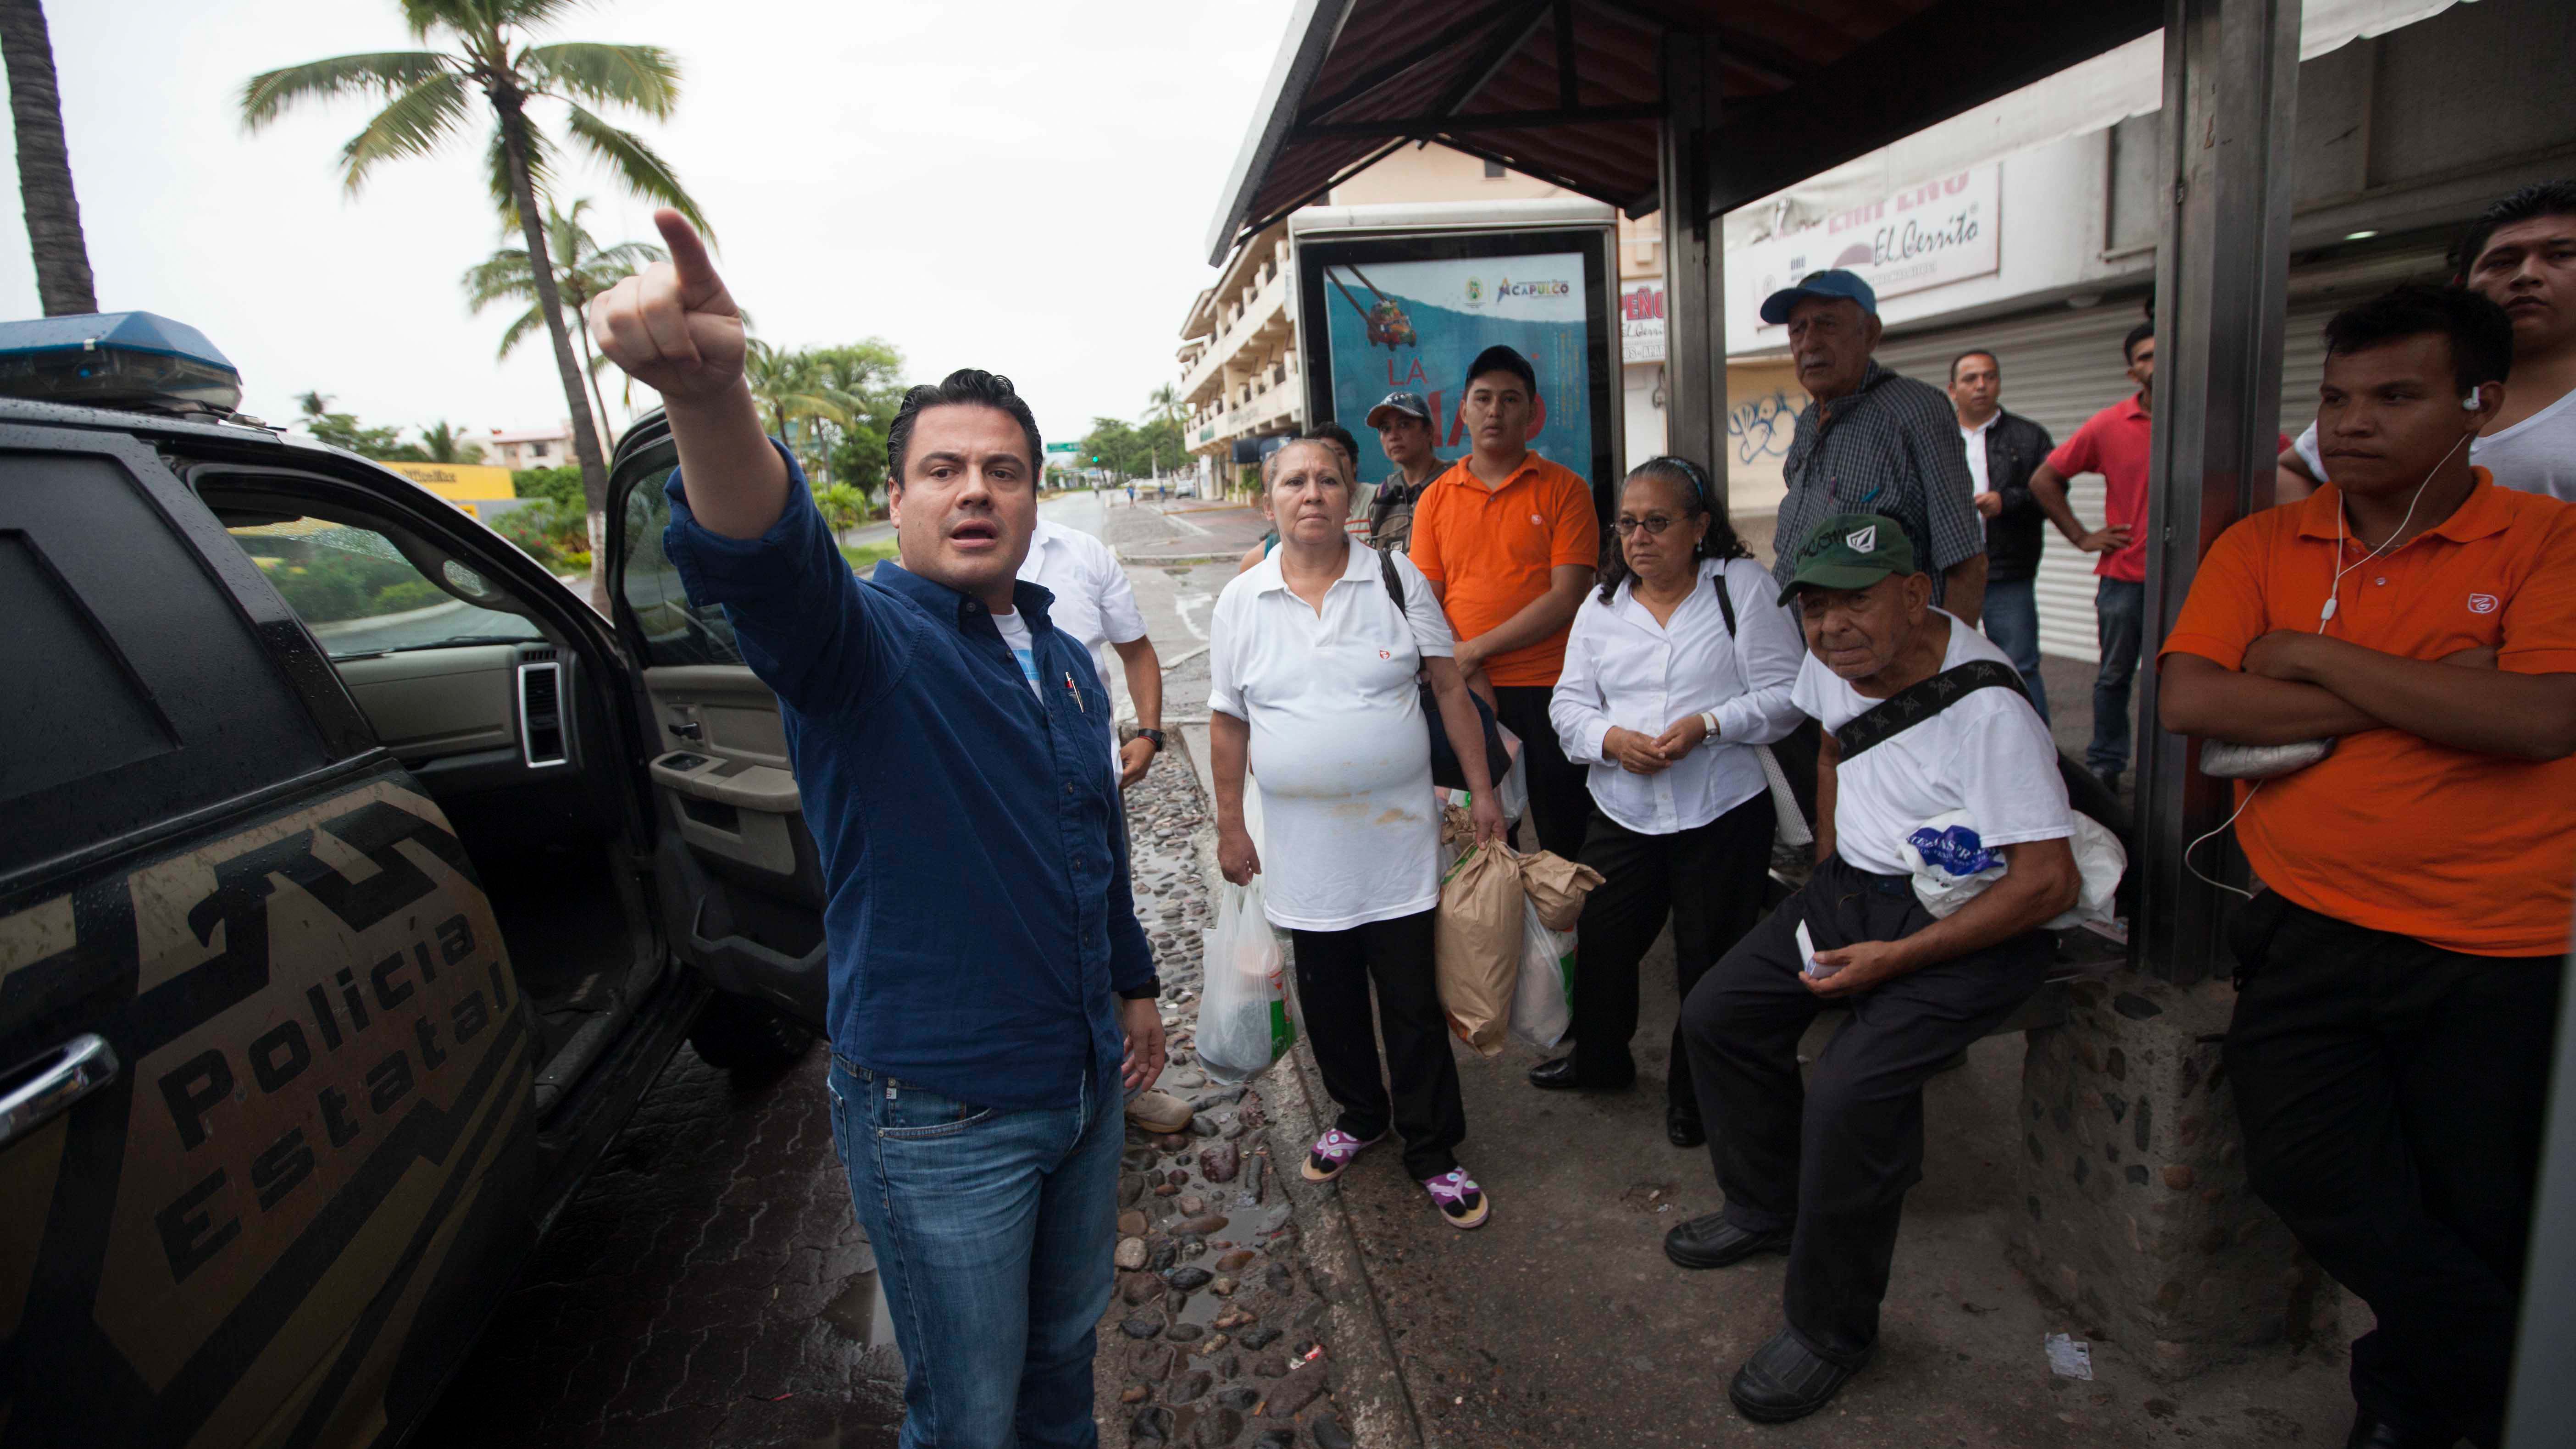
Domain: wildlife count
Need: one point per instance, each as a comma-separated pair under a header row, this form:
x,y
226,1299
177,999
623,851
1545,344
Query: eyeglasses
x,y
1652,523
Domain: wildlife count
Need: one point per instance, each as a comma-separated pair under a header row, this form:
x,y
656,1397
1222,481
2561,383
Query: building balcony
x,y
1263,327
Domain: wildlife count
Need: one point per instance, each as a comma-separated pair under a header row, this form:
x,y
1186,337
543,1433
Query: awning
x,y
1571,91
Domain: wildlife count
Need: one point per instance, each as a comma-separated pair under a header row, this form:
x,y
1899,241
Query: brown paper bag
x,y
1557,887
1476,946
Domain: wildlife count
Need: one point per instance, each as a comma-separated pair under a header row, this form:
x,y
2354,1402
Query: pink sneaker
x,y
1332,1152
1462,1204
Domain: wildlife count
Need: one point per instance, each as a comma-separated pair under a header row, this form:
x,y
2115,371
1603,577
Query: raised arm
x,y
674,328
2049,487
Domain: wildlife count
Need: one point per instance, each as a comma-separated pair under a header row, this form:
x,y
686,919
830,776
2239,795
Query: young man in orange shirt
x,y
2400,974
1509,542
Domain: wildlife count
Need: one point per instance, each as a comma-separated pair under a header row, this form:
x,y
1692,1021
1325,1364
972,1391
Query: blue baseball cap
x,y
1834,283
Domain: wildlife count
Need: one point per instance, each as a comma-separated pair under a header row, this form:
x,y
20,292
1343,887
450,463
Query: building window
x,y
536,450
1493,170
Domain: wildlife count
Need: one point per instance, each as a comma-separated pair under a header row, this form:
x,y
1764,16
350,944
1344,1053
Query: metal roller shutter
x,y
2059,368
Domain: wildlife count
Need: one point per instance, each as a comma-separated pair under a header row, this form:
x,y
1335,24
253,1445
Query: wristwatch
x,y
1154,735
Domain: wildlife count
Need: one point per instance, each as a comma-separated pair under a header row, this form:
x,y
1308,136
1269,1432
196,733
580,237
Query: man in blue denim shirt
x,y
990,985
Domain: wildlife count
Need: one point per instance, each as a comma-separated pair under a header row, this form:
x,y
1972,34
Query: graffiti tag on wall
x,y
1763,426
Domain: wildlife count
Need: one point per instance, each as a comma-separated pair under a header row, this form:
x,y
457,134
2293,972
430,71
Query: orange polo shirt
x,y
2469,852
1491,549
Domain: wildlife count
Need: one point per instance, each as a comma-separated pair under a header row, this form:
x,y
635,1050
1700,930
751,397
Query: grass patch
x,y
864,557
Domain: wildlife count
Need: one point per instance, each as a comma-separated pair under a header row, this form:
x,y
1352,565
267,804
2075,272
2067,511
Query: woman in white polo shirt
x,y
1674,671
1313,687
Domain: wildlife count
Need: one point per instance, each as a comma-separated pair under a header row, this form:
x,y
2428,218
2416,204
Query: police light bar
x,y
117,360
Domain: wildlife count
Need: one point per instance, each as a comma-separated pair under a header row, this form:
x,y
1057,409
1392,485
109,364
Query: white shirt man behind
x,y
1096,605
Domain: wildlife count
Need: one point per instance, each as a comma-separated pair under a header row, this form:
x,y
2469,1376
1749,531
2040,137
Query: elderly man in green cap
x,y
1923,718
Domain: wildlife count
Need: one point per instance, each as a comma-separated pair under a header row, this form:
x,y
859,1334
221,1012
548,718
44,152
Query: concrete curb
x,y
1174,560
1368,1382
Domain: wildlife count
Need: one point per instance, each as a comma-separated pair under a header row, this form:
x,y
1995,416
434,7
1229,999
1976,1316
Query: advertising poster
x,y
1923,237
1395,323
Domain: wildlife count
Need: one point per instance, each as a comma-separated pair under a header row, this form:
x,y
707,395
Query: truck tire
x,y
738,1034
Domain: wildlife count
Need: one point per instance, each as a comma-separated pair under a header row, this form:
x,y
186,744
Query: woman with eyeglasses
x,y
1674,670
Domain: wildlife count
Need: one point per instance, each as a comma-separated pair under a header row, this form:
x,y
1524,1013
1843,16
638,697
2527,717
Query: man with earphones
x,y
2400,968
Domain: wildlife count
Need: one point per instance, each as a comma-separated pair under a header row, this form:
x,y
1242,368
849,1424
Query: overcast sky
x,y
1022,185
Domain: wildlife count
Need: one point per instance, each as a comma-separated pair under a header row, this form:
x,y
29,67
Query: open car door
x,y
738,872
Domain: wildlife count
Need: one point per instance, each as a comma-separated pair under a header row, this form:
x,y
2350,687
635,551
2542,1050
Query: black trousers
x,y
1832,1158
1708,879
1334,970
2393,1096
1560,802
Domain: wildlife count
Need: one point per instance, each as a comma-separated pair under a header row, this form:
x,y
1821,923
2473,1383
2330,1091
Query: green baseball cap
x,y
1851,551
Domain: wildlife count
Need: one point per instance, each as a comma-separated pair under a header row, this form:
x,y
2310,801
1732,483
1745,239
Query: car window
x,y
142,692
675,630
359,595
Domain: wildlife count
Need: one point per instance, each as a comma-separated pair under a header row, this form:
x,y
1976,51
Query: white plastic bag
x,y
1513,793
1243,1008
1543,1000
1951,867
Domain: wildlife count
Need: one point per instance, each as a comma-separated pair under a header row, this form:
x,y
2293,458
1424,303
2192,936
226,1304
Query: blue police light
x,y
117,360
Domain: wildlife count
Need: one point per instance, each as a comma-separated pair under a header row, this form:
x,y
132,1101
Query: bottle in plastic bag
x,y
1244,1024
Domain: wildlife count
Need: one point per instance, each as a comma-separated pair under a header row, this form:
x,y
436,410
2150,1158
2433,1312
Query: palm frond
x,y
645,173
626,258
414,123
528,322
268,95
500,277
528,13
645,77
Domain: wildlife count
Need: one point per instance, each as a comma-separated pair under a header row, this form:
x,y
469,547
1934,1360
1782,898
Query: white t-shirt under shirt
x,y
1987,755
1349,829
1974,440
1015,632
2536,455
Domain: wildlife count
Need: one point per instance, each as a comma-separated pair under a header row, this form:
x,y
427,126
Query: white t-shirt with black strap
x,y
1987,755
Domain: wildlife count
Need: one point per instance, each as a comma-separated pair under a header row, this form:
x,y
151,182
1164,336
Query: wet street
x,y
708,1286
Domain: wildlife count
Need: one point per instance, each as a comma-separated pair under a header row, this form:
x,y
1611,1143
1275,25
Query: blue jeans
x,y
2012,622
993,1234
2119,612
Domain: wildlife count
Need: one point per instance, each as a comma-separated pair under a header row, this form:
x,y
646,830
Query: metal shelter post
x,y
2222,281
1694,262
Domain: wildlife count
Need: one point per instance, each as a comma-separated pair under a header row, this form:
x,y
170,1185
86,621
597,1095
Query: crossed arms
x,y
2300,686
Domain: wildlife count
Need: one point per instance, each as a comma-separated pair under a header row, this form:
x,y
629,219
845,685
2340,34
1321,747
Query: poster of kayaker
x,y
1409,314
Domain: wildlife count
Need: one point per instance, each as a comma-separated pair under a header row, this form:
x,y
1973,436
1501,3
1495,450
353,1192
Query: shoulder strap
x,y
1725,605
1393,581
1922,700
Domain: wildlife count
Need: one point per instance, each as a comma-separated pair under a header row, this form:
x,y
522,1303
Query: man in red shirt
x,y
1509,542
2113,443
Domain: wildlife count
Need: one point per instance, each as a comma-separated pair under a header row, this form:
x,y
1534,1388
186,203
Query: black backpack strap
x,y
1394,581
1725,605
1922,700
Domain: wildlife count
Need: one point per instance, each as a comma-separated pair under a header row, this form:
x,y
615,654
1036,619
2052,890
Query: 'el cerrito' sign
x,y
1924,236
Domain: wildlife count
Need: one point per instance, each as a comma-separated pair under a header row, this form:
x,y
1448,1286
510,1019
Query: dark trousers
x,y
1334,970
1708,879
2120,620
1559,801
2393,1095
1831,1158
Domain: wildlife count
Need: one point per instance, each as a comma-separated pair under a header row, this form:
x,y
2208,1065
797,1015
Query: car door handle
x,y
40,1090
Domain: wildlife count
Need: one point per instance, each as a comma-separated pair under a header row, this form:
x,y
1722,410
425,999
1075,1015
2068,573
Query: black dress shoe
x,y
1684,1128
1710,1241
1561,1076
1783,1381
2369,1432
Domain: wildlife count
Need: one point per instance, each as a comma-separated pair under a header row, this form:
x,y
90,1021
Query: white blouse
x,y
1625,670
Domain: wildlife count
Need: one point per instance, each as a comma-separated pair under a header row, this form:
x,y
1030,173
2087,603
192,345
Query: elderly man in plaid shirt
x,y
1871,441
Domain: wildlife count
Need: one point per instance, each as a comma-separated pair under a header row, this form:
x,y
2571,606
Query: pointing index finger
x,y
697,272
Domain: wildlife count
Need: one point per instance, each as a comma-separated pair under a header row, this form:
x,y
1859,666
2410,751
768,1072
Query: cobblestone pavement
x,y
709,1286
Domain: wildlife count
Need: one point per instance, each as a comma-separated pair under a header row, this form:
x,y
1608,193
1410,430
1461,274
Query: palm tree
x,y
446,444
314,404
44,164
789,387
583,270
429,101
1165,402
